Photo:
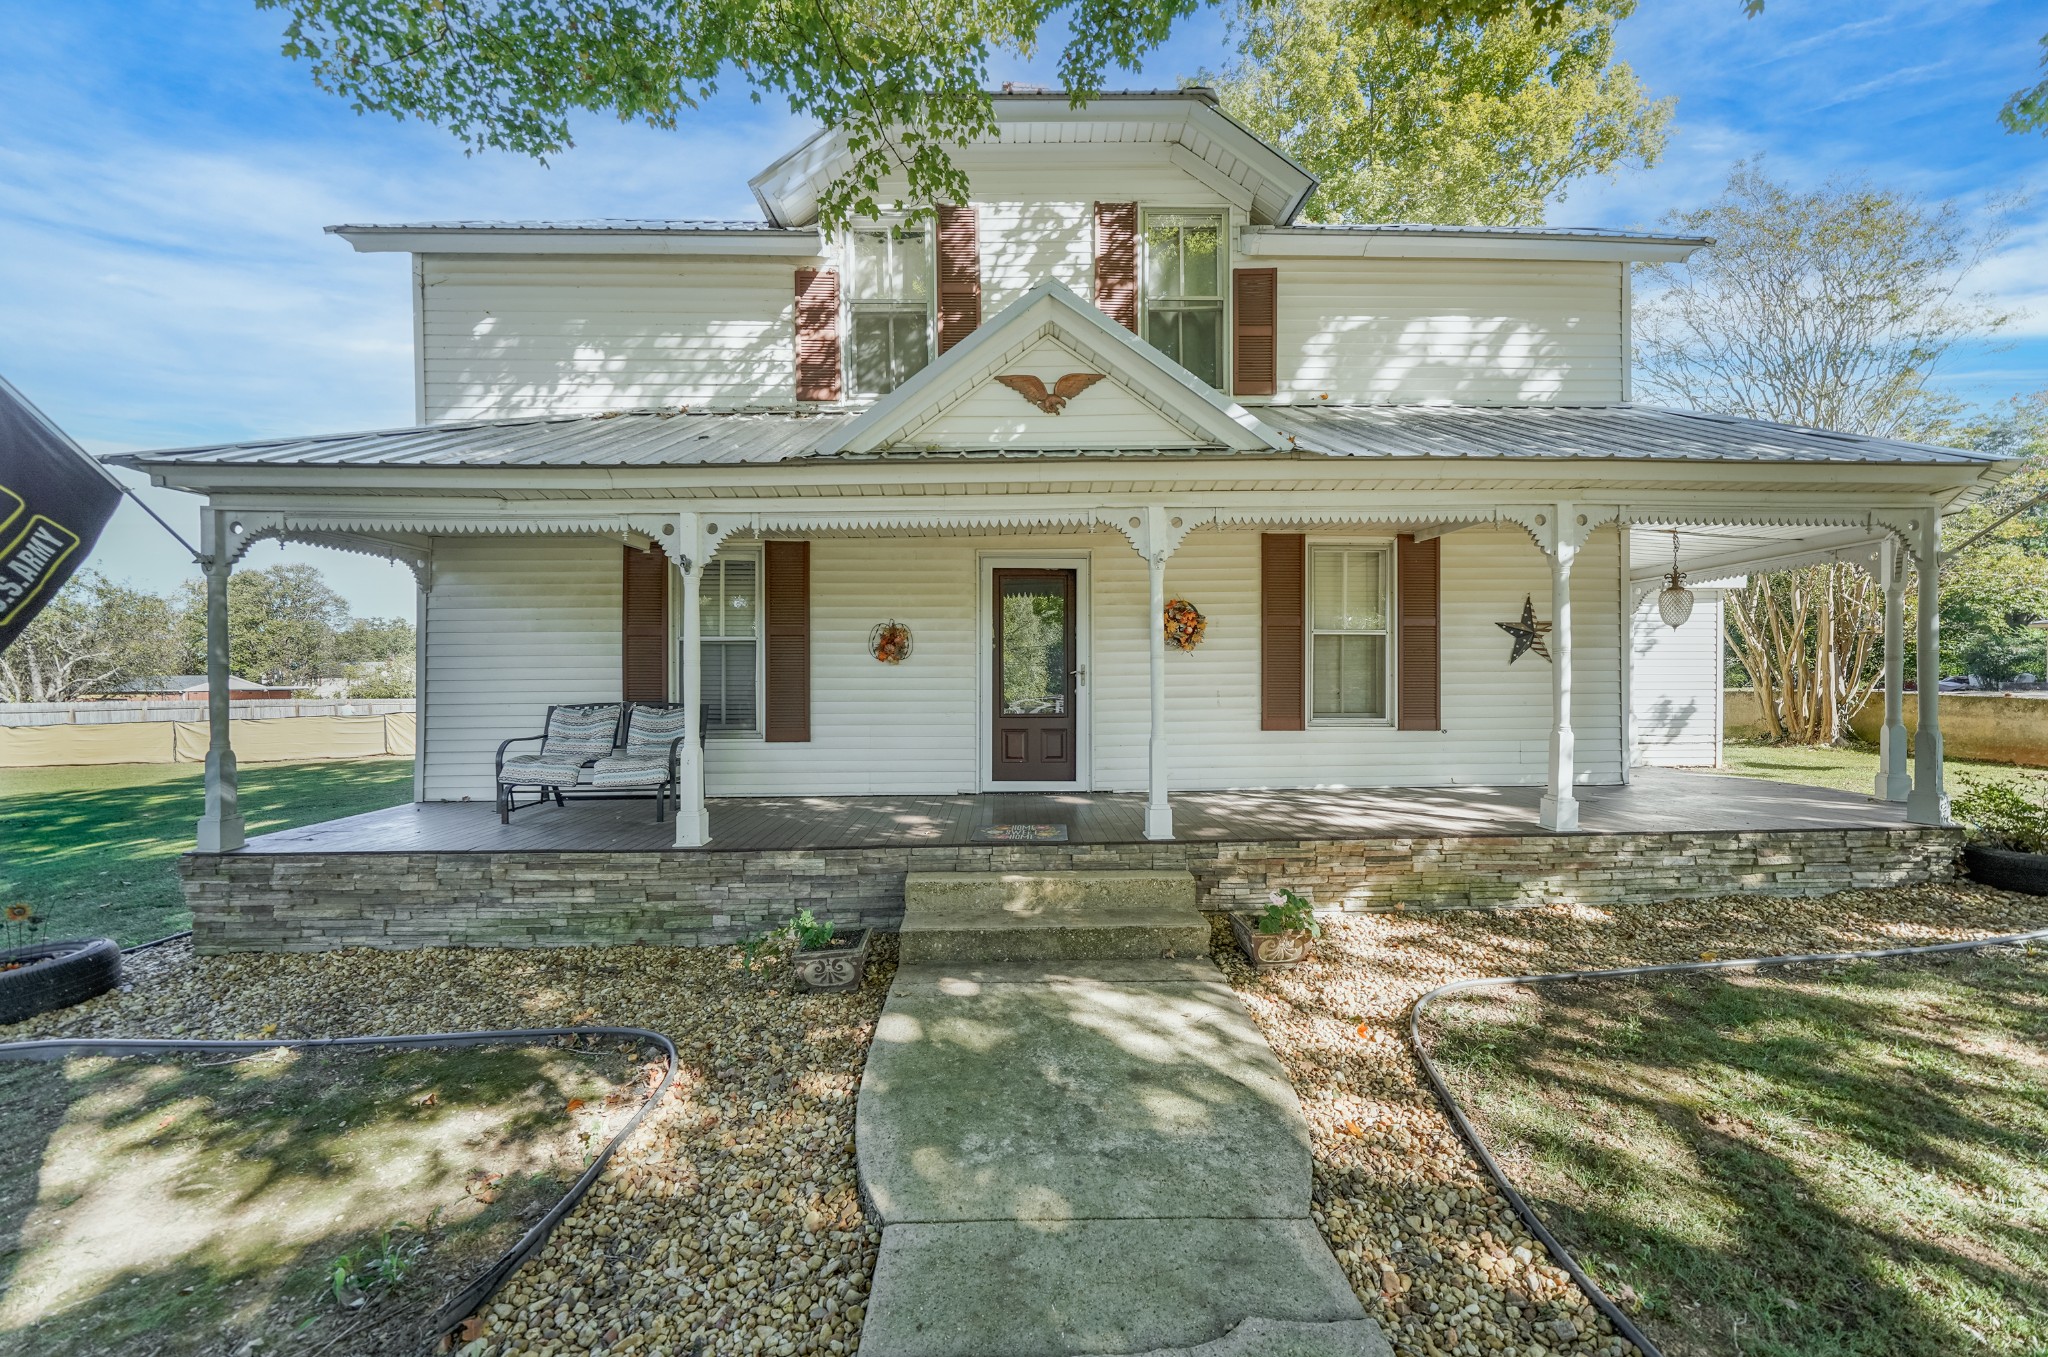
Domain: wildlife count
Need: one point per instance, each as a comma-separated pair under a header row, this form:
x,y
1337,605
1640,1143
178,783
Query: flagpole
x,y
9,389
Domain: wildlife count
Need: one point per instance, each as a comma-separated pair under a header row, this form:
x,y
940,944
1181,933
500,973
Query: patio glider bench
x,y
599,750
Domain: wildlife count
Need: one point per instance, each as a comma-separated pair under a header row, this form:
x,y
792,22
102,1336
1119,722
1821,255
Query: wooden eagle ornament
x,y
1055,400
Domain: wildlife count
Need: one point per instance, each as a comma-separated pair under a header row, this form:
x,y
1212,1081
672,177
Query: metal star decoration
x,y
1528,632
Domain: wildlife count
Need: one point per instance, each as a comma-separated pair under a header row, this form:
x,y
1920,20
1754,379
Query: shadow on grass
x,y
95,849
187,1206
1832,1161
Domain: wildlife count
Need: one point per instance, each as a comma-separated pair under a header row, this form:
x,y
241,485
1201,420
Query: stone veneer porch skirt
x,y
539,897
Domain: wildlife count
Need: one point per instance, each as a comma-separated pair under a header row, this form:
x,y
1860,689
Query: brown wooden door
x,y
1035,663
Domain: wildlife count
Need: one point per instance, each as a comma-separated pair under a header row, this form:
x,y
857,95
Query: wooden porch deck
x,y
1657,801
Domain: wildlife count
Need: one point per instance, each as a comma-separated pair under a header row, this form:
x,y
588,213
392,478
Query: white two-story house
x,y
931,509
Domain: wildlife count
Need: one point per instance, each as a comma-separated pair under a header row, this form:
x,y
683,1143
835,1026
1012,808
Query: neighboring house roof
x,y
702,438
183,683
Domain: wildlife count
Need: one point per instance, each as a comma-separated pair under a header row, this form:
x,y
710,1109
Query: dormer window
x,y
889,303
1183,296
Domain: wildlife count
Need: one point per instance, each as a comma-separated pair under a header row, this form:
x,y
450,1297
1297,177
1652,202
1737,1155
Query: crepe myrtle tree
x,y
901,78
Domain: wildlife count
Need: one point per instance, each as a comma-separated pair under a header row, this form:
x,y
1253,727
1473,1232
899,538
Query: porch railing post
x,y
1158,810
1559,808
693,821
220,826
1927,803
1893,783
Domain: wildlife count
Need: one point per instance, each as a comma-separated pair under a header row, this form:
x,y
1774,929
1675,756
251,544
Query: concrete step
x,y
974,917
1157,1287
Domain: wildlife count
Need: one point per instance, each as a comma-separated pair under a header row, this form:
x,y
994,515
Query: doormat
x,y
1020,834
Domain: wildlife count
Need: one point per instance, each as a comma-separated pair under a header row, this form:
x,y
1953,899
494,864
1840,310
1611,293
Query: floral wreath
x,y
889,642
1184,624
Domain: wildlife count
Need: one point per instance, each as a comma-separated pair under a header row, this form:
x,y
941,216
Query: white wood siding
x,y
1676,676
512,625
529,335
515,623
1467,332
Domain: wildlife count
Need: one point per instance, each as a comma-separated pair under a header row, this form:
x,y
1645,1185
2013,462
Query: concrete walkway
x,y
1097,1157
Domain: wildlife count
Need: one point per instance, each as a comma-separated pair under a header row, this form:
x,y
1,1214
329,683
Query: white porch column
x,y
1892,782
1158,810
1559,808
1927,803
220,827
693,821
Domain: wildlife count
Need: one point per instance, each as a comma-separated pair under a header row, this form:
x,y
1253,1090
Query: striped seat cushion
x,y
540,770
649,729
581,733
630,770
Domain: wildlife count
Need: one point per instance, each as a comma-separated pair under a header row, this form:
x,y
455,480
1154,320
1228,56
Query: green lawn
x,y
1853,768
1826,1161
94,849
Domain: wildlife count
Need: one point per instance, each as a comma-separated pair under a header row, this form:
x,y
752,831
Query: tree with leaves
x,y
1994,568
1827,308
903,79
1456,121
94,636
287,626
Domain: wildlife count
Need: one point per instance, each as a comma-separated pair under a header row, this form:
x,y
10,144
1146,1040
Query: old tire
x,y
56,975
2008,870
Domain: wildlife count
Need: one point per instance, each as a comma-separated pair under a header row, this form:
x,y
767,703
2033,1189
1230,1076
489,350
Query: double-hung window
x,y
1183,295
890,308
730,595
1348,588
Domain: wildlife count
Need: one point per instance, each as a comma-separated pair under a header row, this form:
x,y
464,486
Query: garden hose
x,y
1621,1322
485,1284
155,943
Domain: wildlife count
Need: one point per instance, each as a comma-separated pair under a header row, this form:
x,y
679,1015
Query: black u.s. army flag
x,y
54,499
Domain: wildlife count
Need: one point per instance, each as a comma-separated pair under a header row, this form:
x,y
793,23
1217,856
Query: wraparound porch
x,y
604,873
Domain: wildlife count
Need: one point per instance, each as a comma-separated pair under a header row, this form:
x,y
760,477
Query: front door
x,y
1035,667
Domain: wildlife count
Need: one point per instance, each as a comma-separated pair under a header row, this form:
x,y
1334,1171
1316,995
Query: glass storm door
x,y
1035,669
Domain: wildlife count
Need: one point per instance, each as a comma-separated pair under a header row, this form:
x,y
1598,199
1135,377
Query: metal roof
x,y
605,224
1394,432
1423,228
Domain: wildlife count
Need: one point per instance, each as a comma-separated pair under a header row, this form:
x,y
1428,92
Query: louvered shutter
x,y
786,635
1116,262
817,335
643,616
1418,612
1254,302
959,275
1283,592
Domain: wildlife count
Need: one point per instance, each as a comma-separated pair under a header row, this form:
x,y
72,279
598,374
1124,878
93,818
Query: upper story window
x,y
1183,295
890,308
1348,631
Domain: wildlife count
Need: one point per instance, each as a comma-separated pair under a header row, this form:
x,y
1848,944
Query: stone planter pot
x,y
1271,951
2007,869
833,969
53,975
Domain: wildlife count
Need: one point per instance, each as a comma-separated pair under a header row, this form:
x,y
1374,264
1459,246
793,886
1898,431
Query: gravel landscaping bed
x,y
1430,1247
729,1224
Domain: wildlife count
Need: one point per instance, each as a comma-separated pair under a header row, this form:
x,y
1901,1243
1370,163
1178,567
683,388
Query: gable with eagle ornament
x,y
1052,402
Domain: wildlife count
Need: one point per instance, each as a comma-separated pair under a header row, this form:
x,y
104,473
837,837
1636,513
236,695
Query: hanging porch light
x,y
1674,605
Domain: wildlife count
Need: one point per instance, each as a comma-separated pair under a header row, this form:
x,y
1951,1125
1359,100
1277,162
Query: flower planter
x,y
2007,869
55,975
838,966
1271,951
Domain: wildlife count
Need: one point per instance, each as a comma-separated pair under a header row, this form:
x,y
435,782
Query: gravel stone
x,y
1433,1251
730,1223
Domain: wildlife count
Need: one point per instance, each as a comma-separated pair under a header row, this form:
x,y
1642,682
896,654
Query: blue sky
x,y
165,175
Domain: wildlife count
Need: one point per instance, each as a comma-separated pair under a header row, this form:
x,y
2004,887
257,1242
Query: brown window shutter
x,y
1283,596
786,614
1116,262
817,335
643,615
1254,304
959,275
1418,618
